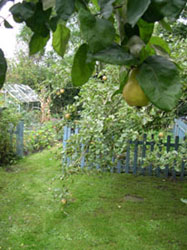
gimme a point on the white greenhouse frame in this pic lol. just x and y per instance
(22, 94)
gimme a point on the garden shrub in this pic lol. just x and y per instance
(40, 138)
(8, 121)
(107, 123)
(160, 157)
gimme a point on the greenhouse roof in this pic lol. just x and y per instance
(21, 93)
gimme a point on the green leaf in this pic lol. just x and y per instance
(172, 8)
(115, 54)
(48, 4)
(65, 8)
(159, 9)
(99, 33)
(160, 42)
(39, 22)
(165, 25)
(60, 39)
(81, 69)
(146, 30)
(53, 23)
(106, 7)
(135, 9)
(95, 2)
(7, 24)
(22, 11)
(37, 43)
(159, 51)
(34, 16)
(159, 79)
(80, 4)
(146, 52)
(123, 77)
(3, 68)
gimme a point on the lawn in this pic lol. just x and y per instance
(103, 210)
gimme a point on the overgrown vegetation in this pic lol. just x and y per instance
(107, 123)
(48, 79)
(8, 120)
(88, 210)
(39, 138)
(124, 37)
(177, 41)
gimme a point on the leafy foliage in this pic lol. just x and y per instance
(159, 158)
(81, 70)
(115, 54)
(65, 8)
(106, 35)
(158, 78)
(47, 78)
(39, 139)
(3, 68)
(157, 10)
(135, 10)
(107, 123)
(96, 31)
(37, 43)
(8, 121)
(177, 42)
(60, 39)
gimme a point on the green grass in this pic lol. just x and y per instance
(104, 211)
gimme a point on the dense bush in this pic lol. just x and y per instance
(107, 122)
(8, 121)
(40, 137)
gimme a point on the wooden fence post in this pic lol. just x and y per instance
(142, 169)
(83, 156)
(176, 146)
(64, 143)
(127, 161)
(68, 136)
(19, 139)
(136, 143)
(152, 143)
(11, 136)
(119, 166)
(182, 171)
(168, 145)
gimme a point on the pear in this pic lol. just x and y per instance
(132, 92)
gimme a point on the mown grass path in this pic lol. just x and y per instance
(103, 211)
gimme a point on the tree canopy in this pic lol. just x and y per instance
(118, 32)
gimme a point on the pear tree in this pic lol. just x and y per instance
(118, 32)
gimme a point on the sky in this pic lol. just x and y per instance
(8, 36)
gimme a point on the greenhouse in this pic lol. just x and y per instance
(20, 95)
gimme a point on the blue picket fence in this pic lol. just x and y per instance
(180, 128)
(16, 138)
(130, 162)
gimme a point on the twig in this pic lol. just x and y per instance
(4, 19)
(82, 154)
